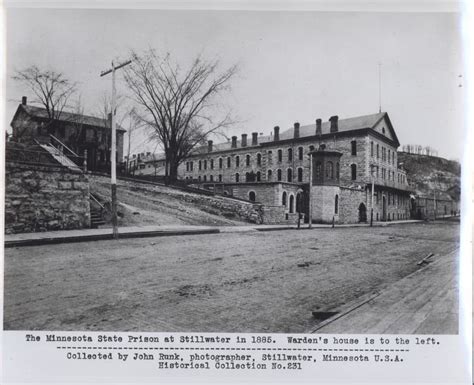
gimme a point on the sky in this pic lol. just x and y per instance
(293, 66)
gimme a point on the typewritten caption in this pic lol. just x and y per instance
(232, 352)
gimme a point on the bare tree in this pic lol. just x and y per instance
(180, 106)
(52, 90)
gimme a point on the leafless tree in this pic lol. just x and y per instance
(52, 90)
(180, 106)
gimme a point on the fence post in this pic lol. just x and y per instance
(85, 161)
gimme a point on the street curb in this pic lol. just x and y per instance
(101, 237)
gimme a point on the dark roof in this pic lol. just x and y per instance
(41, 113)
(344, 125)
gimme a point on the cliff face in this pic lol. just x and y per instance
(429, 173)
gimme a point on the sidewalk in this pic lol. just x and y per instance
(84, 235)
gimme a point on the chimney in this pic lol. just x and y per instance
(297, 130)
(209, 146)
(234, 142)
(333, 120)
(23, 100)
(254, 138)
(243, 143)
(276, 135)
(318, 127)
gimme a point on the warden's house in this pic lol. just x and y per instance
(346, 158)
(73, 135)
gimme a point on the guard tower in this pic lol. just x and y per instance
(325, 188)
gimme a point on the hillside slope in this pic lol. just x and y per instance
(429, 173)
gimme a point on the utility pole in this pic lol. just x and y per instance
(380, 87)
(113, 150)
(372, 194)
(310, 214)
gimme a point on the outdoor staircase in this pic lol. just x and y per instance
(58, 153)
(96, 219)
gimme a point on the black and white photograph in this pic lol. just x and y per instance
(233, 171)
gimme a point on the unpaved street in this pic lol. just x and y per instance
(245, 282)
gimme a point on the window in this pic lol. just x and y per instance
(191, 166)
(289, 175)
(383, 130)
(220, 177)
(353, 147)
(247, 160)
(336, 204)
(300, 174)
(237, 177)
(270, 156)
(220, 163)
(205, 165)
(353, 172)
(393, 157)
(204, 178)
(318, 170)
(228, 162)
(300, 153)
(187, 166)
(211, 178)
(377, 173)
(311, 148)
(280, 155)
(259, 176)
(290, 154)
(377, 151)
(259, 159)
(372, 149)
(279, 175)
(337, 170)
(199, 178)
(269, 175)
(200, 166)
(329, 170)
(212, 164)
(292, 203)
(252, 196)
(237, 161)
(283, 198)
(389, 158)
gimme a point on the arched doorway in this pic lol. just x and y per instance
(362, 213)
(252, 196)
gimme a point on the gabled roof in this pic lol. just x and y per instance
(41, 113)
(344, 125)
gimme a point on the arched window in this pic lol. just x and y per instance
(247, 177)
(211, 178)
(371, 148)
(212, 164)
(318, 169)
(290, 154)
(311, 148)
(289, 175)
(220, 163)
(336, 204)
(252, 196)
(283, 198)
(329, 170)
(292, 204)
(199, 178)
(378, 151)
(353, 172)
(204, 178)
(280, 155)
(337, 170)
(270, 156)
(237, 177)
(300, 153)
(220, 177)
(300, 174)
(228, 162)
(237, 161)
(269, 175)
(247, 160)
(353, 147)
(191, 166)
(259, 176)
(200, 165)
(279, 175)
(259, 159)
(205, 165)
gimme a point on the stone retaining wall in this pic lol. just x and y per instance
(44, 198)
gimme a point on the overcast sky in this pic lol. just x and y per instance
(294, 66)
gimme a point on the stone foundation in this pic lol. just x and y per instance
(44, 198)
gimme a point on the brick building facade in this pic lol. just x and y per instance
(275, 169)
